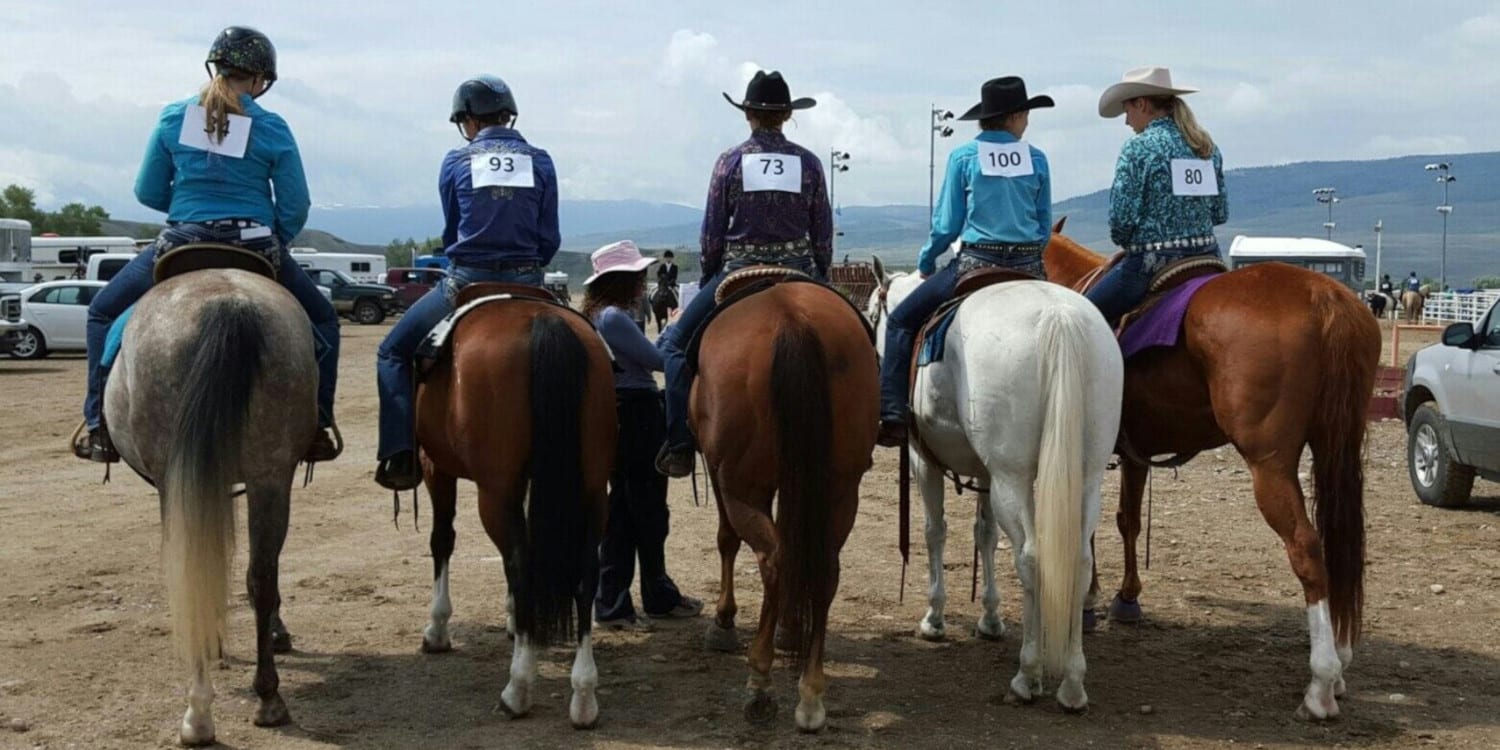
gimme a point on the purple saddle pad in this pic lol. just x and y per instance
(1161, 325)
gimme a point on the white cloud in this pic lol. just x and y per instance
(689, 53)
(1246, 99)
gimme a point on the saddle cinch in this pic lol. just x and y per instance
(746, 282)
(439, 342)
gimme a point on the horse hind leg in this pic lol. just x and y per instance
(929, 481)
(720, 635)
(443, 490)
(1279, 496)
(986, 535)
(1126, 607)
(269, 510)
(583, 710)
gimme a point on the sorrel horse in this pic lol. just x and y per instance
(524, 407)
(215, 384)
(785, 405)
(1272, 358)
(1412, 303)
(1027, 400)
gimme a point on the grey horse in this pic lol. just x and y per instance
(216, 385)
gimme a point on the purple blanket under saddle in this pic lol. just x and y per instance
(1161, 324)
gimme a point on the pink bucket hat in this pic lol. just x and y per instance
(617, 256)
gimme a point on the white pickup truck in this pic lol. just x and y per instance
(12, 326)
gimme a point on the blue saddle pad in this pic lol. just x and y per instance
(932, 346)
(113, 338)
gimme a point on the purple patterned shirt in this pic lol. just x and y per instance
(766, 216)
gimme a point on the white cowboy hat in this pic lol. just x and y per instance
(617, 256)
(1149, 81)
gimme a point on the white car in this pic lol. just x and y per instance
(1451, 404)
(56, 313)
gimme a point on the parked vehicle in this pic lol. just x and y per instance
(365, 269)
(104, 266)
(56, 313)
(557, 283)
(366, 304)
(12, 325)
(1450, 401)
(67, 257)
(15, 250)
(411, 283)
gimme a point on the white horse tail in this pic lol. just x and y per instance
(1062, 365)
(220, 366)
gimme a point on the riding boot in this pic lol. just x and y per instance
(399, 472)
(96, 446)
(675, 463)
(323, 448)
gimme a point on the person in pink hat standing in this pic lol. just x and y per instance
(638, 517)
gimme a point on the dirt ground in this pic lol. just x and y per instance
(1221, 660)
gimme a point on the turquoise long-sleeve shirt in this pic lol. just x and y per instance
(193, 185)
(1142, 206)
(979, 207)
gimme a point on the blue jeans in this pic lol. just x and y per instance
(901, 336)
(135, 279)
(674, 342)
(1125, 286)
(393, 361)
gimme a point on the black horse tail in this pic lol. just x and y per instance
(807, 557)
(559, 554)
(1352, 351)
(203, 458)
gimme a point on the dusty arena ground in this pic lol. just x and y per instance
(1221, 659)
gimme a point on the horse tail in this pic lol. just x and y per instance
(558, 552)
(1351, 346)
(800, 398)
(202, 459)
(1063, 361)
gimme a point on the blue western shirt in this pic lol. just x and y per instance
(193, 185)
(1142, 207)
(976, 207)
(499, 224)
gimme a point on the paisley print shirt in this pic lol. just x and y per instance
(1142, 207)
(764, 217)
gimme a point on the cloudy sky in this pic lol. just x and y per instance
(626, 95)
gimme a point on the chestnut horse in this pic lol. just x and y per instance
(785, 405)
(1272, 358)
(525, 408)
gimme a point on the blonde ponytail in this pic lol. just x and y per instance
(220, 100)
(1197, 138)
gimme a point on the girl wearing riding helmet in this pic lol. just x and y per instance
(638, 516)
(499, 196)
(767, 205)
(225, 170)
(1168, 193)
(996, 199)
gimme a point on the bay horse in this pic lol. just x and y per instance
(525, 408)
(1026, 399)
(663, 302)
(785, 405)
(1272, 358)
(216, 383)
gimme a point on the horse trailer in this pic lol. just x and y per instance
(1340, 262)
(366, 269)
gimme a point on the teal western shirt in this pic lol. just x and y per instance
(193, 185)
(1142, 207)
(980, 208)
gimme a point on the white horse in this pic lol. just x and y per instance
(1026, 399)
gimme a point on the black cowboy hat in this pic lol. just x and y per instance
(768, 91)
(1002, 96)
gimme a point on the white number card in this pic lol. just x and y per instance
(193, 135)
(780, 172)
(1194, 177)
(1005, 159)
(501, 169)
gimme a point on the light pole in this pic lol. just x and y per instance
(1442, 168)
(939, 130)
(1329, 196)
(1378, 227)
(838, 161)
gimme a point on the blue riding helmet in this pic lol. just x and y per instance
(482, 96)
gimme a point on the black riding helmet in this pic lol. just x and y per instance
(243, 48)
(482, 96)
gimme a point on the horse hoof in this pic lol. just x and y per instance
(1124, 611)
(272, 713)
(189, 740)
(430, 647)
(995, 634)
(1074, 710)
(1090, 620)
(722, 640)
(930, 633)
(281, 642)
(761, 708)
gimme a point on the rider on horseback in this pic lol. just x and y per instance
(499, 198)
(997, 198)
(1168, 193)
(767, 205)
(212, 165)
